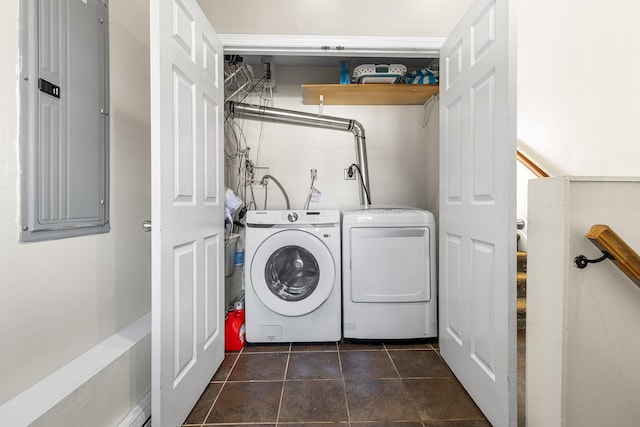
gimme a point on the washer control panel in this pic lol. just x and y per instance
(291, 217)
(320, 217)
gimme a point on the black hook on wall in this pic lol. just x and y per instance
(581, 261)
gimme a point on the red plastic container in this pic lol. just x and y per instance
(234, 338)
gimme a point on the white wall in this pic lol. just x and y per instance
(578, 86)
(60, 298)
(402, 154)
(426, 18)
(582, 325)
(578, 91)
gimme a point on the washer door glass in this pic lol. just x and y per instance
(292, 273)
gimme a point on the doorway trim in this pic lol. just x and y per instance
(310, 45)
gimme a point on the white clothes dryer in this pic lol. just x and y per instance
(389, 273)
(292, 276)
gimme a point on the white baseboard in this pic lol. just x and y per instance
(38, 399)
(140, 414)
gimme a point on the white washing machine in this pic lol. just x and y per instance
(292, 276)
(389, 273)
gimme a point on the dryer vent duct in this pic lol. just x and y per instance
(307, 119)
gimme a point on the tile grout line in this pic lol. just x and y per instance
(284, 379)
(402, 381)
(344, 384)
(226, 379)
(392, 362)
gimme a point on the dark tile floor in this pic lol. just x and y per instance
(329, 385)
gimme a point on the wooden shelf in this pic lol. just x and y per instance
(368, 94)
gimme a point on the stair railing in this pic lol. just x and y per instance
(531, 165)
(614, 248)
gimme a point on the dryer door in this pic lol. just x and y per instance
(390, 264)
(292, 272)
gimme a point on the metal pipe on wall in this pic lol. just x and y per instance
(314, 120)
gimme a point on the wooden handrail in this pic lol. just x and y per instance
(624, 257)
(531, 165)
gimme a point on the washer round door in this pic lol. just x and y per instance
(292, 272)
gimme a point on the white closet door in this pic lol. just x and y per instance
(187, 207)
(477, 324)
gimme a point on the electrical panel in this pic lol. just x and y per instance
(64, 118)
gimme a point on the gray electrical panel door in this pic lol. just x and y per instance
(64, 118)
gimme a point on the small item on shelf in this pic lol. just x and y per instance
(345, 71)
(423, 76)
(379, 73)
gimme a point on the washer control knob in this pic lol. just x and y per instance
(292, 217)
